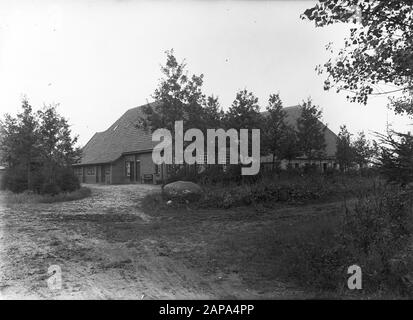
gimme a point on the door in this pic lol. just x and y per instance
(132, 171)
(103, 174)
(138, 171)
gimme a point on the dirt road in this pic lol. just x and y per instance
(107, 248)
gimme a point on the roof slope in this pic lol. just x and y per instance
(123, 136)
(292, 115)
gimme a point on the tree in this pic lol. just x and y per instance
(213, 114)
(289, 145)
(345, 152)
(310, 133)
(180, 97)
(277, 135)
(379, 49)
(244, 112)
(57, 146)
(363, 149)
(396, 157)
(39, 150)
(19, 146)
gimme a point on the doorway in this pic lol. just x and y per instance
(103, 174)
(138, 171)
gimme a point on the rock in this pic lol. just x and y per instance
(184, 191)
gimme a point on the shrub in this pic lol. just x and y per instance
(38, 181)
(30, 197)
(287, 187)
(78, 194)
(374, 235)
(50, 188)
(154, 202)
(67, 180)
(317, 258)
(14, 180)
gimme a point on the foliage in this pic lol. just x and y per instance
(20, 146)
(396, 158)
(39, 150)
(373, 234)
(244, 112)
(30, 197)
(181, 98)
(378, 50)
(364, 150)
(279, 138)
(345, 152)
(285, 187)
(310, 132)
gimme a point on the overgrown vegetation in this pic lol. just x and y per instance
(38, 150)
(285, 187)
(373, 234)
(31, 197)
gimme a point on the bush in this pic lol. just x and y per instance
(67, 180)
(374, 235)
(50, 188)
(30, 197)
(153, 202)
(288, 187)
(78, 194)
(14, 180)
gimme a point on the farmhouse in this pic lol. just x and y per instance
(328, 160)
(123, 153)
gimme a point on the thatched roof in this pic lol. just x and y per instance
(124, 136)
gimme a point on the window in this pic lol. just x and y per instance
(90, 171)
(107, 170)
(127, 166)
(157, 169)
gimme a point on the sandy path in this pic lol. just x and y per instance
(107, 248)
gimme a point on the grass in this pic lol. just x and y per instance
(269, 190)
(306, 240)
(30, 197)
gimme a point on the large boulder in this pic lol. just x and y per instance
(182, 191)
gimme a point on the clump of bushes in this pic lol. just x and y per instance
(298, 189)
(31, 197)
(287, 189)
(373, 235)
(64, 180)
(39, 150)
(14, 180)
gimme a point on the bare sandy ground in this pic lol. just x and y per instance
(107, 248)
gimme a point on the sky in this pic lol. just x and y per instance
(98, 59)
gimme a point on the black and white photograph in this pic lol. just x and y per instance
(178, 150)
